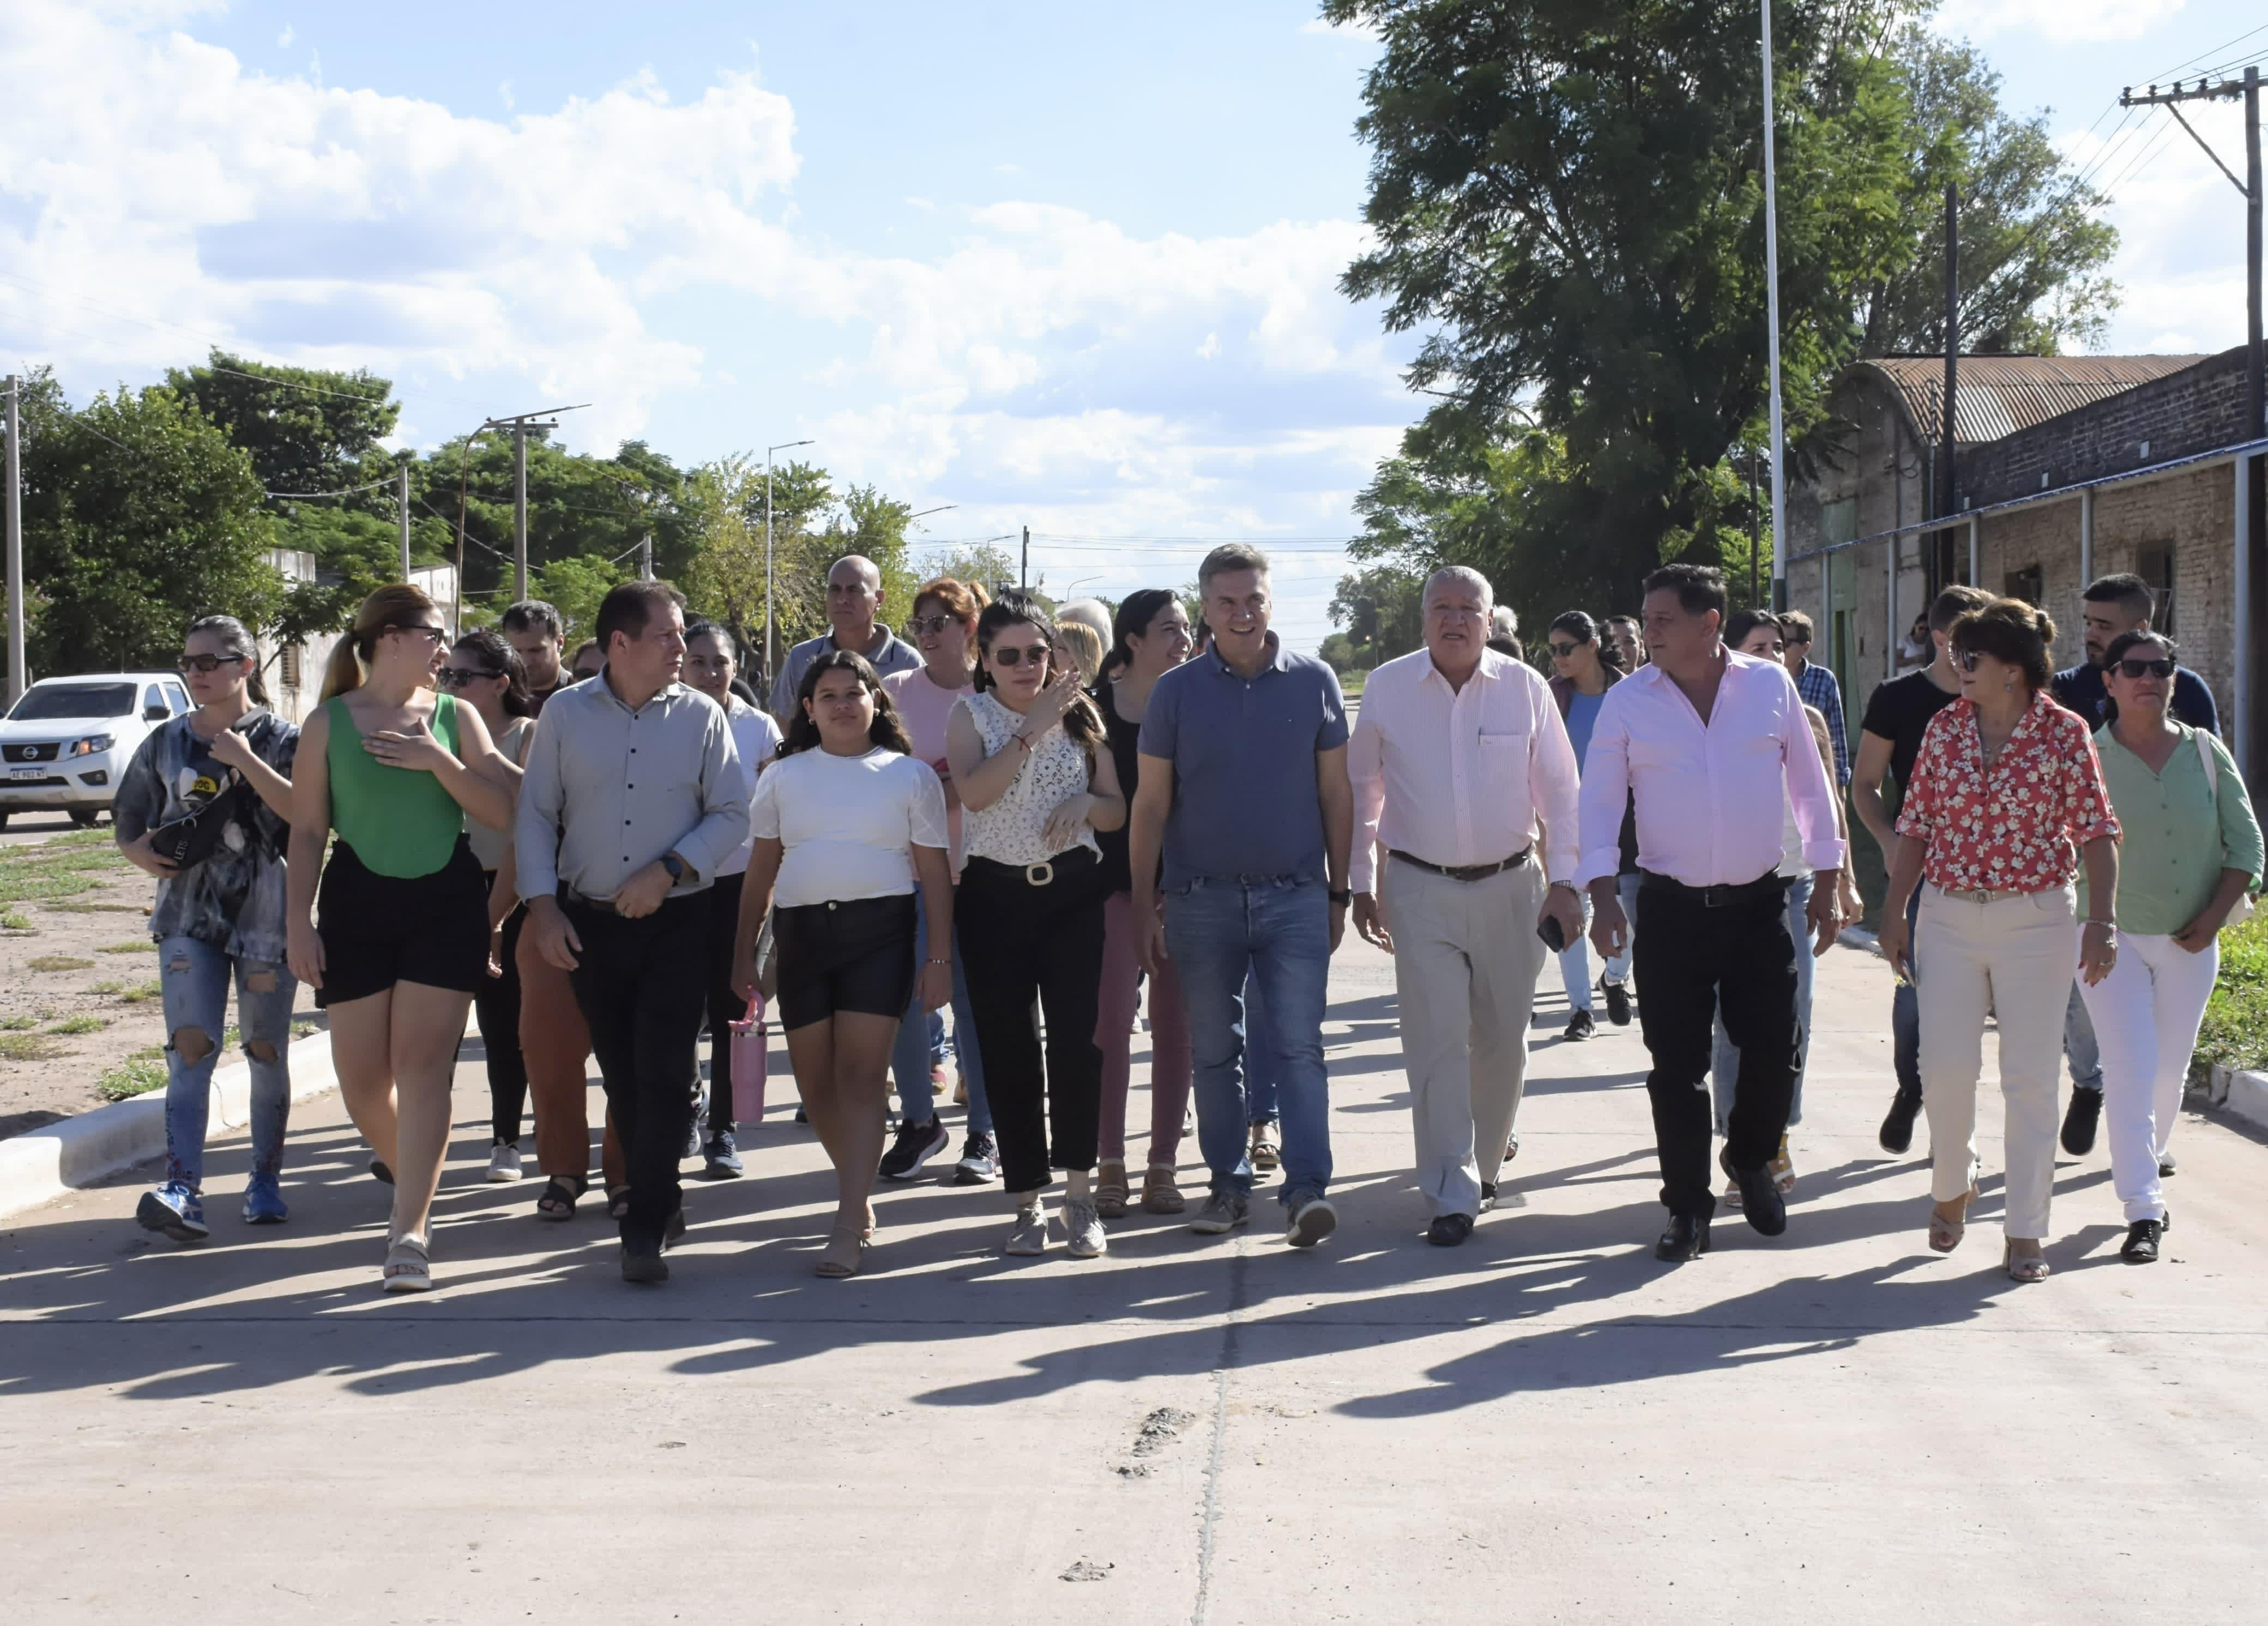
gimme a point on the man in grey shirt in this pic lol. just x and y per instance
(854, 605)
(631, 798)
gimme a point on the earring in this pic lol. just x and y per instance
(2008, 686)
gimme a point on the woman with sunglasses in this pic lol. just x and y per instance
(1584, 667)
(848, 828)
(395, 768)
(2189, 852)
(220, 912)
(2005, 804)
(944, 630)
(486, 673)
(586, 661)
(1029, 754)
(1150, 639)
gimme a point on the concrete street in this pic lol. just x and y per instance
(1542, 1425)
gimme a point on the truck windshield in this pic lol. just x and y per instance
(46, 700)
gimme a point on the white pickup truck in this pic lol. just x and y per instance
(64, 744)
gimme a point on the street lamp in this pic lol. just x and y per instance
(771, 662)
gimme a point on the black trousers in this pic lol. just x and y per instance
(1691, 961)
(1020, 942)
(498, 1005)
(640, 985)
(725, 1007)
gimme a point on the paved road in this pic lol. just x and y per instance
(1542, 1425)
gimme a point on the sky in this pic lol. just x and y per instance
(1072, 268)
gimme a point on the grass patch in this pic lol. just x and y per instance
(81, 1025)
(28, 1048)
(15, 920)
(72, 906)
(132, 993)
(2235, 1032)
(17, 1024)
(300, 1030)
(59, 962)
(138, 1075)
(20, 885)
(141, 945)
(104, 837)
(147, 1053)
(142, 992)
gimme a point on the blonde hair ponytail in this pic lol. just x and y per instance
(397, 606)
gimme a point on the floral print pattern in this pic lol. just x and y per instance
(2018, 825)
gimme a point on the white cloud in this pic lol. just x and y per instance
(283, 40)
(2061, 22)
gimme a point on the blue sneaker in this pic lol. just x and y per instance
(175, 1209)
(264, 1202)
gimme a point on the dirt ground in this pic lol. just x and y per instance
(80, 1020)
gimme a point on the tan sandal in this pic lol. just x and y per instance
(408, 1265)
(1267, 1152)
(1946, 1230)
(1161, 1192)
(844, 1253)
(2030, 1268)
(1111, 1192)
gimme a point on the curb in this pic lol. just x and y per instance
(44, 1164)
(2240, 1094)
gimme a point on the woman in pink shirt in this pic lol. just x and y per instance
(944, 629)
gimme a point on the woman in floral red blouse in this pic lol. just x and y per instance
(2005, 802)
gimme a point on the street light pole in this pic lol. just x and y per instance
(401, 504)
(1771, 300)
(772, 658)
(15, 504)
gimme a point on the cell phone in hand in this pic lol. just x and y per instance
(1554, 935)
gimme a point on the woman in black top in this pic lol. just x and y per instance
(1150, 637)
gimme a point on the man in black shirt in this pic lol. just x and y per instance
(1897, 714)
(2112, 606)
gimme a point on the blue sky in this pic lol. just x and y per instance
(1063, 266)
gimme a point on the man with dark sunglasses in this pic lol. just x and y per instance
(2112, 606)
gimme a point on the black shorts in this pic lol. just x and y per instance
(856, 956)
(381, 929)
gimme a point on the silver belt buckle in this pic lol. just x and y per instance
(1039, 875)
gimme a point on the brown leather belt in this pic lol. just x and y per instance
(1465, 871)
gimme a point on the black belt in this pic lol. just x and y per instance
(1041, 874)
(1465, 871)
(1722, 895)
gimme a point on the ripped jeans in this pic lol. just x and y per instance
(194, 977)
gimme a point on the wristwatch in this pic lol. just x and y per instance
(676, 865)
(1342, 898)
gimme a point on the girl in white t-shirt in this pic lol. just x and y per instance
(846, 826)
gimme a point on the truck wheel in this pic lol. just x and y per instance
(83, 820)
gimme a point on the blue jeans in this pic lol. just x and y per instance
(1575, 958)
(910, 1057)
(194, 985)
(2080, 1053)
(1905, 1013)
(1725, 1065)
(1263, 1073)
(1278, 934)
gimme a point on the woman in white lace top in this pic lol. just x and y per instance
(1036, 784)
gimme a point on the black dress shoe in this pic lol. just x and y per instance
(642, 1262)
(1898, 1129)
(2078, 1121)
(1449, 1230)
(1760, 1197)
(1686, 1239)
(1488, 1196)
(2142, 1240)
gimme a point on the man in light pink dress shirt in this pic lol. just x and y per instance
(1464, 776)
(1707, 741)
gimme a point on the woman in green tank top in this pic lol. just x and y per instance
(402, 944)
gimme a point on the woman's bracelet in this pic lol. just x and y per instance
(1024, 740)
(2112, 924)
(936, 962)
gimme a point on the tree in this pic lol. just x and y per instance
(138, 515)
(1383, 612)
(304, 430)
(986, 564)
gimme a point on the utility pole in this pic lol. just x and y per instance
(1949, 487)
(519, 424)
(1024, 571)
(402, 503)
(1771, 301)
(1755, 546)
(2252, 613)
(645, 558)
(771, 658)
(16, 669)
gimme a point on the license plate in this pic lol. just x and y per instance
(28, 773)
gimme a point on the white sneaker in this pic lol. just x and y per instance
(1085, 1226)
(503, 1164)
(1029, 1234)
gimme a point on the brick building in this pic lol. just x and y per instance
(2028, 429)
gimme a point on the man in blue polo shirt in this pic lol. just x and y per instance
(1244, 792)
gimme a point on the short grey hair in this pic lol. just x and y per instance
(1228, 558)
(1505, 624)
(1465, 576)
(1091, 613)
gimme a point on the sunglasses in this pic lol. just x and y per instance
(435, 634)
(1966, 659)
(1009, 655)
(2134, 668)
(457, 677)
(205, 666)
(1564, 652)
(921, 624)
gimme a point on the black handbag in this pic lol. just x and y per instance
(191, 840)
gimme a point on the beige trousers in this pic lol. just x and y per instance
(2015, 953)
(1466, 958)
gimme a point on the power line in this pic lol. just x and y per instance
(344, 491)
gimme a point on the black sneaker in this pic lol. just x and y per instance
(1449, 1230)
(643, 1262)
(1619, 1004)
(980, 1161)
(1897, 1135)
(1580, 1026)
(2080, 1120)
(916, 1145)
(721, 1157)
(1760, 1202)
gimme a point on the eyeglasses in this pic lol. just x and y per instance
(204, 665)
(2135, 667)
(1009, 655)
(1799, 643)
(1564, 652)
(436, 634)
(457, 677)
(921, 624)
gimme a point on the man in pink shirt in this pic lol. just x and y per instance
(1463, 774)
(1707, 740)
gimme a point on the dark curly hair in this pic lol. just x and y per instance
(2010, 630)
(886, 731)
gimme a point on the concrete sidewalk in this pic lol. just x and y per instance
(1542, 1425)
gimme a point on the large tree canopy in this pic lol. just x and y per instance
(304, 430)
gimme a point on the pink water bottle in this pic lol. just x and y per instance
(750, 1043)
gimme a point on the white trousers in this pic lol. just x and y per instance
(1465, 960)
(2145, 1014)
(2015, 955)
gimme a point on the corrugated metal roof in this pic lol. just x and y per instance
(1999, 394)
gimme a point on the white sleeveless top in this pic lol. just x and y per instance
(1010, 831)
